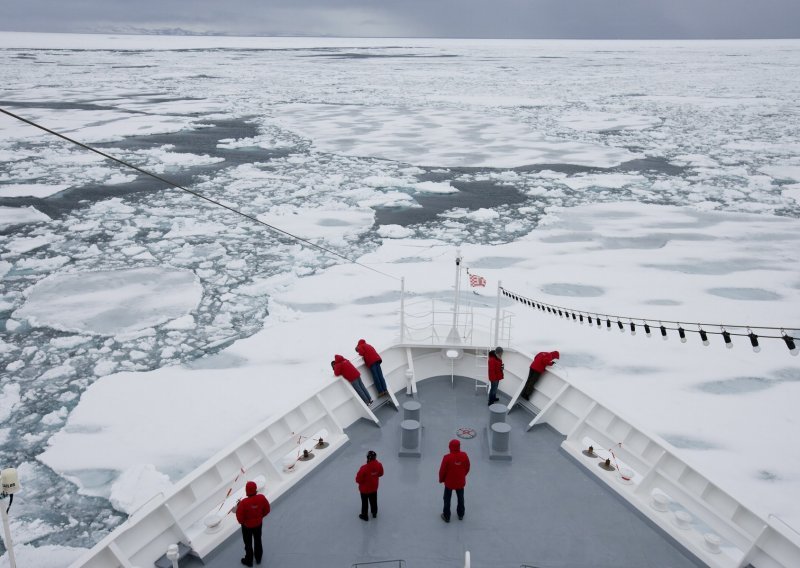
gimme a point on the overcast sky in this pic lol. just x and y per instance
(417, 18)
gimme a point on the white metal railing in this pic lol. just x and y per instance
(433, 322)
(191, 512)
(712, 524)
(645, 471)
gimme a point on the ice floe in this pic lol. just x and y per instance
(10, 216)
(111, 302)
(431, 137)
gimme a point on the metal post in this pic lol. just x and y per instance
(7, 533)
(402, 309)
(497, 314)
(457, 289)
(173, 554)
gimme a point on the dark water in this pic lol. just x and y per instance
(199, 141)
(471, 195)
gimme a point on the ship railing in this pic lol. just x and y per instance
(198, 511)
(660, 482)
(382, 564)
(433, 322)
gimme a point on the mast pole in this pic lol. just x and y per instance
(402, 309)
(457, 290)
(497, 314)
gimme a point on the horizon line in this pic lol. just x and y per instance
(156, 33)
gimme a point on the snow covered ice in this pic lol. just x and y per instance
(656, 194)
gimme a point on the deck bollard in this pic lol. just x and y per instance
(499, 435)
(497, 413)
(409, 439)
(411, 410)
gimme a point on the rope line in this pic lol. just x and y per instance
(704, 329)
(196, 194)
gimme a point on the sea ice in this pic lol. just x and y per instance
(111, 302)
(605, 121)
(431, 137)
(10, 216)
(136, 485)
(30, 190)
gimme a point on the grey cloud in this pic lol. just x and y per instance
(418, 18)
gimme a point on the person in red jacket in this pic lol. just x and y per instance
(367, 479)
(453, 473)
(542, 360)
(373, 362)
(344, 368)
(495, 373)
(250, 513)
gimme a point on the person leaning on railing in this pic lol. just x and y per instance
(373, 362)
(540, 363)
(342, 367)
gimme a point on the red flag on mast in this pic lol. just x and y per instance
(476, 281)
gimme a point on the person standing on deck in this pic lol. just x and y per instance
(344, 368)
(542, 360)
(495, 373)
(367, 479)
(373, 362)
(453, 473)
(250, 513)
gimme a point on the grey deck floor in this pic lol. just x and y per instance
(540, 509)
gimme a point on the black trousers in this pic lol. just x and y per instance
(252, 544)
(372, 499)
(527, 391)
(448, 494)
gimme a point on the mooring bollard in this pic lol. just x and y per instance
(412, 410)
(497, 413)
(409, 438)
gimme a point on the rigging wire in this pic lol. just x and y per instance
(615, 318)
(196, 194)
(703, 328)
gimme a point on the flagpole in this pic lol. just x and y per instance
(402, 309)
(497, 314)
(454, 336)
(457, 289)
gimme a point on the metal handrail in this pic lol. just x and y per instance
(398, 563)
(784, 523)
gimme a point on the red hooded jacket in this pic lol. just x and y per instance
(368, 352)
(252, 509)
(367, 476)
(344, 368)
(455, 467)
(495, 367)
(543, 359)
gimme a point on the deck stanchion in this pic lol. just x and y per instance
(402, 309)
(497, 314)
